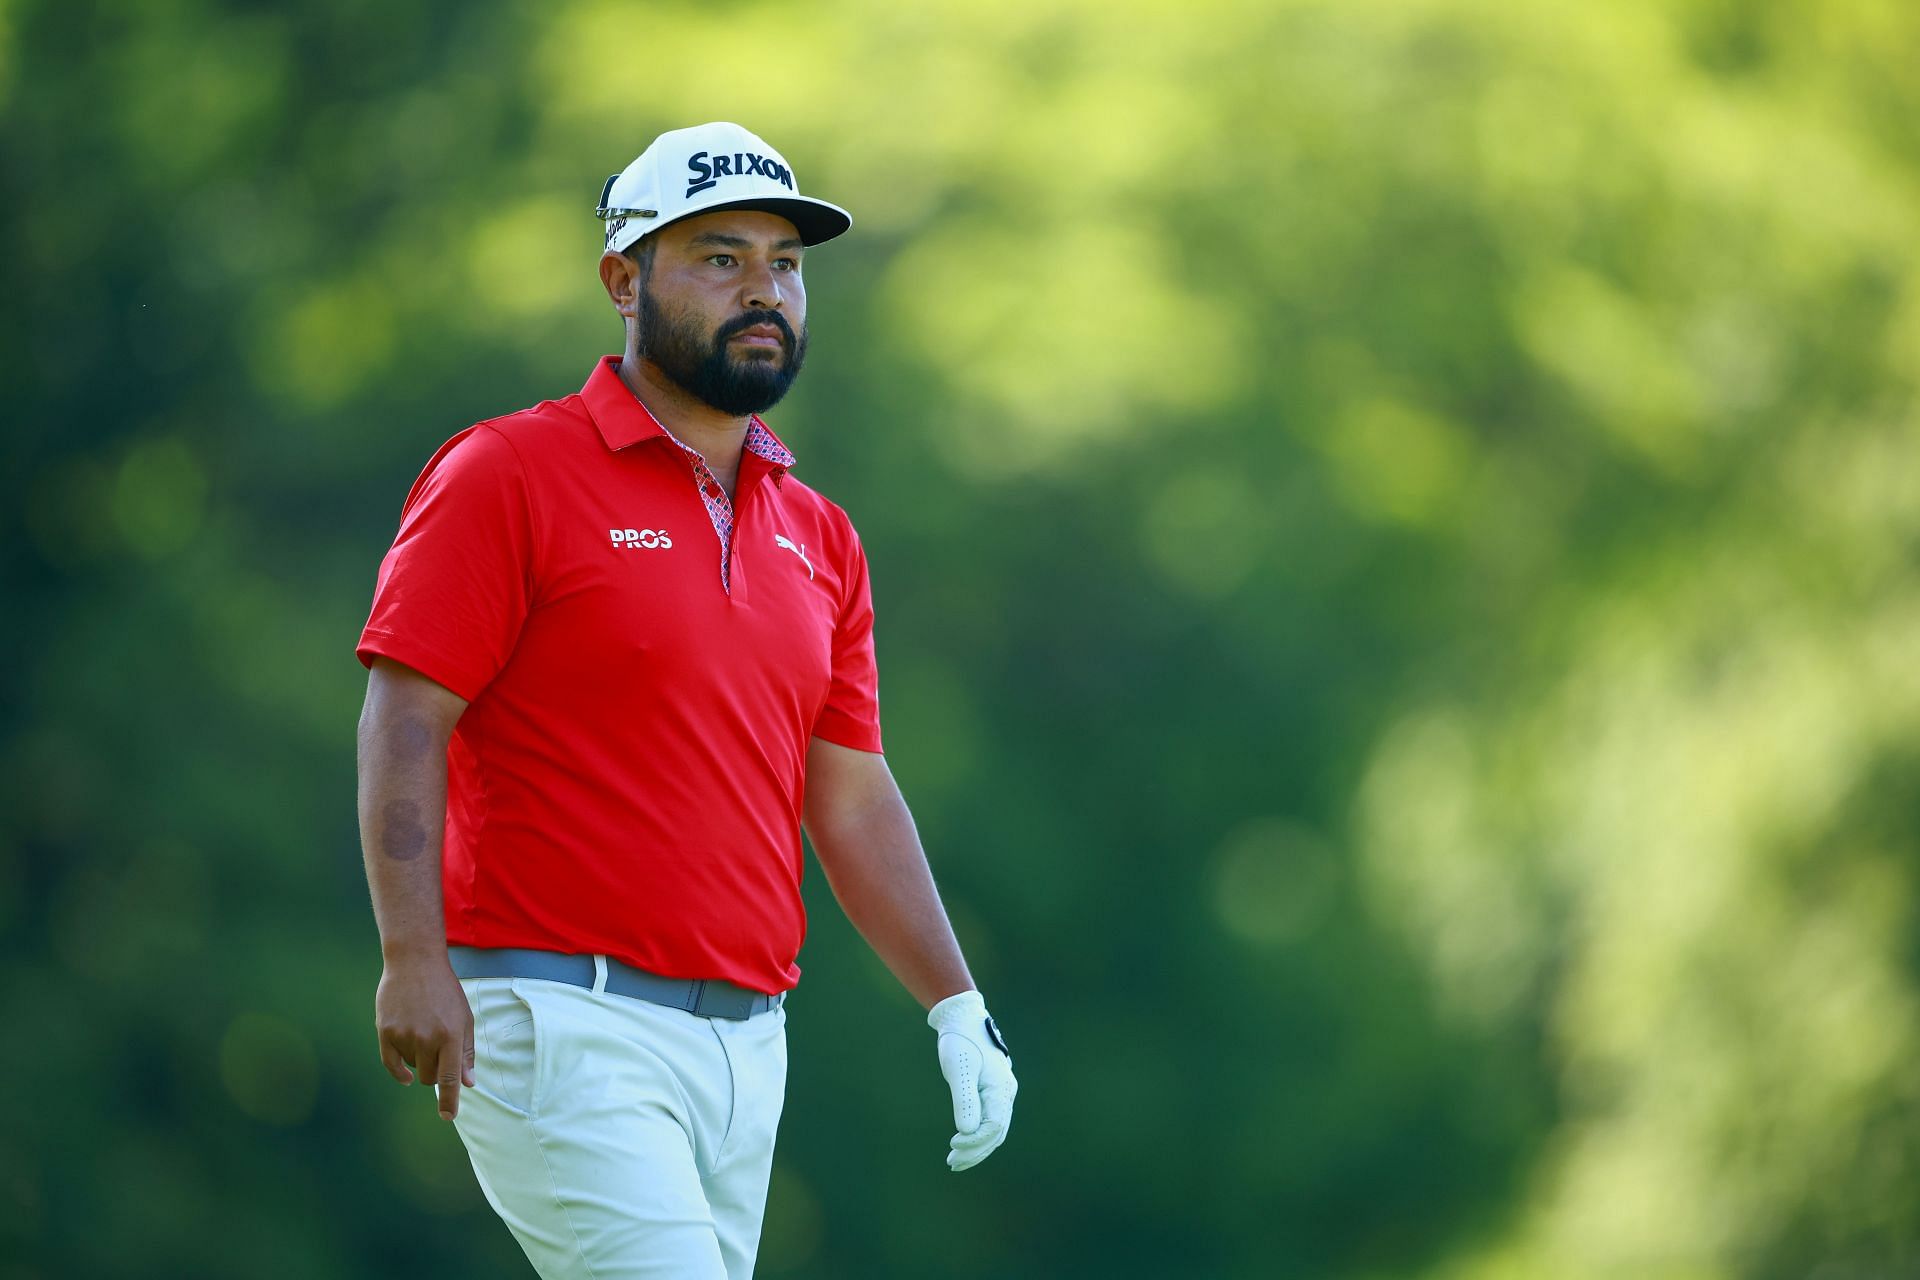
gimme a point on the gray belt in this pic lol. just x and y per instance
(708, 997)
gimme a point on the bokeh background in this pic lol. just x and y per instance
(1396, 534)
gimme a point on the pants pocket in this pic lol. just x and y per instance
(507, 1042)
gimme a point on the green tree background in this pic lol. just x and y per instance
(1396, 534)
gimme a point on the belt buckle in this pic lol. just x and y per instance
(722, 1000)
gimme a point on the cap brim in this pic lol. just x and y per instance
(815, 220)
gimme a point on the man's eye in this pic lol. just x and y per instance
(721, 259)
(787, 264)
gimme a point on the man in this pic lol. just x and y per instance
(618, 655)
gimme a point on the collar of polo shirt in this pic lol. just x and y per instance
(624, 421)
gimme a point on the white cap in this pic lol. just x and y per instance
(708, 167)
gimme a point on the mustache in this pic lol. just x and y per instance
(741, 323)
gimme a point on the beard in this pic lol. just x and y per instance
(707, 370)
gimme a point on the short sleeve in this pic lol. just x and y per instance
(851, 715)
(455, 587)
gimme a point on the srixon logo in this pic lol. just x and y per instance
(705, 171)
(640, 538)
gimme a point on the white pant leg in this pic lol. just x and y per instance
(599, 1126)
(736, 1186)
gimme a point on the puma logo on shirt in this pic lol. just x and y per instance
(781, 539)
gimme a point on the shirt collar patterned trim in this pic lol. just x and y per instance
(761, 440)
(624, 421)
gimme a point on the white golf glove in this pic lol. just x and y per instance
(979, 1070)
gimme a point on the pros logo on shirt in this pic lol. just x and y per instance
(640, 537)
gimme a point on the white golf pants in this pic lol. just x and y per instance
(621, 1139)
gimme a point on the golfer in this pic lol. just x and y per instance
(619, 654)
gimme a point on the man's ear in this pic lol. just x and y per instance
(621, 277)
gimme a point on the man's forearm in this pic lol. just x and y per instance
(420, 1011)
(880, 876)
(403, 805)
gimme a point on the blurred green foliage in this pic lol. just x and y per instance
(1396, 534)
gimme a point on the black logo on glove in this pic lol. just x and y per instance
(993, 1034)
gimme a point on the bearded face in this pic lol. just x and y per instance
(722, 367)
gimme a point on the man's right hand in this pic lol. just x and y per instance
(423, 1019)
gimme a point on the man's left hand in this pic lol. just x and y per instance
(979, 1070)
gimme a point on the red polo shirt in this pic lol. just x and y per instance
(629, 776)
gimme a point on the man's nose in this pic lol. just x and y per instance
(761, 288)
